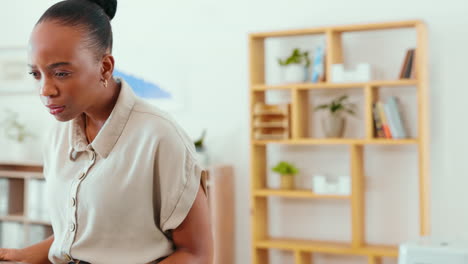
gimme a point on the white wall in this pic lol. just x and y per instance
(210, 38)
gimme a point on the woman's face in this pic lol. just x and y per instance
(67, 73)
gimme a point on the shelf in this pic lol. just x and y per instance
(21, 174)
(338, 141)
(12, 218)
(289, 33)
(392, 141)
(328, 85)
(327, 247)
(20, 163)
(346, 28)
(297, 194)
(309, 142)
(378, 26)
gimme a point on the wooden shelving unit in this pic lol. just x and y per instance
(19, 175)
(303, 250)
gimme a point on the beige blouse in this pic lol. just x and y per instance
(117, 199)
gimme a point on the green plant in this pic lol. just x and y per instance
(296, 57)
(338, 105)
(285, 168)
(199, 142)
(13, 129)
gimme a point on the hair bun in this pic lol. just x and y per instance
(109, 6)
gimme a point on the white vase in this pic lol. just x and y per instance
(294, 73)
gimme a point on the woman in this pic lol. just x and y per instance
(123, 185)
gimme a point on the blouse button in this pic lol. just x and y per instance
(73, 201)
(82, 175)
(68, 257)
(72, 227)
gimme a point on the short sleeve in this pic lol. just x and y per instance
(178, 175)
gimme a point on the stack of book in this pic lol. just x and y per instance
(271, 122)
(388, 121)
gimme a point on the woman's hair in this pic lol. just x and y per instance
(93, 16)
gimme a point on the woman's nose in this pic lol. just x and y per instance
(47, 88)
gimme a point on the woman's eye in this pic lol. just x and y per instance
(62, 74)
(35, 75)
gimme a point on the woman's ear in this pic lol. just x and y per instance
(107, 66)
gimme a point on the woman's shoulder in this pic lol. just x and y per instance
(161, 121)
(152, 114)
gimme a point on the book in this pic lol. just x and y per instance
(36, 201)
(318, 64)
(413, 74)
(33, 200)
(378, 132)
(4, 197)
(407, 69)
(395, 112)
(384, 120)
(391, 120)
(405, 65)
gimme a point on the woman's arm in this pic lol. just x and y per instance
(35, 254)
(193, 238)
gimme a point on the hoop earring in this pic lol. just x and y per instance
(105, 83)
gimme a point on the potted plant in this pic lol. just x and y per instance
(295, 66)
(334, 123)
(287, 172)
(200, 148)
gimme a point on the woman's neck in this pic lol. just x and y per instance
(97, 115)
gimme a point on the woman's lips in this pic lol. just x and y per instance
(54, 110)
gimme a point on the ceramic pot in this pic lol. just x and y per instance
(294, 73)
(287, 182)
(333, 125)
